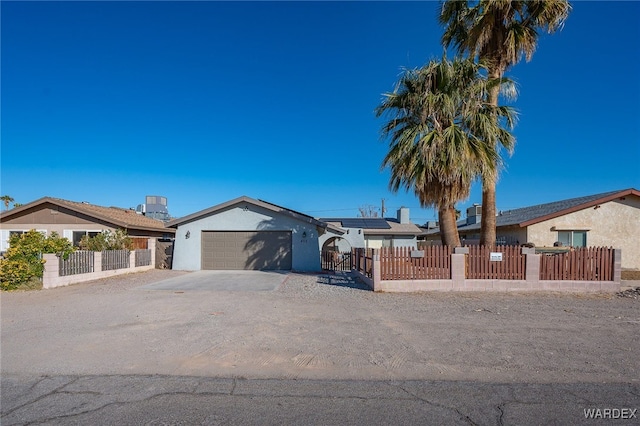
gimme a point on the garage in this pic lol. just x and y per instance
(248, 234)
(254, 250)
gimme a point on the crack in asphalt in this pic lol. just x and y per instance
(41, 397)
(501, 415)
(60, 390)
(435, 404)
(143, 389)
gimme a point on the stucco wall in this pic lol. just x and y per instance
(353, 238)
(6, 228)
(187, 251)
(613, 224)
(375, 241)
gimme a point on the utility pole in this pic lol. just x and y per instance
(382, 210)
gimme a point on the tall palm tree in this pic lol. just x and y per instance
(499, 33)
(443, 135)
(6, 199)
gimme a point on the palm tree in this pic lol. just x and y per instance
(443, 135)
(6, 199)
(499, 33)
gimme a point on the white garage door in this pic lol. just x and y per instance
(267, 250)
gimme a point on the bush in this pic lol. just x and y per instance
(23, 263)
(107, 240)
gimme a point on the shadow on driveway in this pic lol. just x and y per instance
(342, 279)
(222, 281)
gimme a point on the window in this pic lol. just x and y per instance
(573, 238)
(77, 236)
(6, 234)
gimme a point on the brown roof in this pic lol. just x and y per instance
(123, 218)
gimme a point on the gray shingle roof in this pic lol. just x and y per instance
(527, 215)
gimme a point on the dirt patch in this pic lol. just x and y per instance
(630, 275)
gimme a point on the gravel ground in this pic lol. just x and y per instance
(320, 327)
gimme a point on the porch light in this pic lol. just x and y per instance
(304, 234)
(187, 235)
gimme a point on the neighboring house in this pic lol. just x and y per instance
(610, 219)
(73, 220)
(372, 232)
(246, 233)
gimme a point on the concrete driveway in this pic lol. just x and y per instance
(222, 281)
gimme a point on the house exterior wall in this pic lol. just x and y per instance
(378, 241)
(353, 238)
(49, 219)
(63, 222)
(614, 224)
(246, 217)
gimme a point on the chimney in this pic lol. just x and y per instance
(403, 215)
(474, 213)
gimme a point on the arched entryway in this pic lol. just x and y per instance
(336, 255)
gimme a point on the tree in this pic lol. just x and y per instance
(6, 199)
(443, 135)
(368, 211)
(23, 260)
(499, 33)
(107, 240)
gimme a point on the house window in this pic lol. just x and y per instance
(77, 236)
(6, 234)
(573, 238)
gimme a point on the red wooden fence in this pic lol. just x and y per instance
(480, 266)
(404, 263)
(580, 264)
(362, 260)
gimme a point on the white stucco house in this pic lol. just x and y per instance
(246, 233)
(372, 232)
(610, 219)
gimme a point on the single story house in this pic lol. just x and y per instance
(73, 220)
(610, 219)
(246, 233)
(372, 232)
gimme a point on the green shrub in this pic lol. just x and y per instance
(107, 240)
(22, 263)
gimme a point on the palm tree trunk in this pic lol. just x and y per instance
(488, 218)
(448, 229)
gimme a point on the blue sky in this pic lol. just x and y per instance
(202, 102)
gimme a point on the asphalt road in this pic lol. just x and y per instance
(170, 400)
(168, 347)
